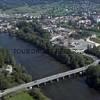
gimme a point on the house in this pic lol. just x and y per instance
(9, 69)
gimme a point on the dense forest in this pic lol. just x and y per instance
(81, 35)
(29, 2)
(18, 75)
(93, 77)
(5, 57)
(15, 3)
(93, 73)
(94, 51)
(40, 37)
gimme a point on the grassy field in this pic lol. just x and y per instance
(35, 94)
(21, 96)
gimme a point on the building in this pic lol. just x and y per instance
(80, 46)
(8, 68)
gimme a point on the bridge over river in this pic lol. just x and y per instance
(47, 79)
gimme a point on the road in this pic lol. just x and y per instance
(96, 44)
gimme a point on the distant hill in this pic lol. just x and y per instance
(12, 3)
(21, 2)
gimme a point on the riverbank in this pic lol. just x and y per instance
(42, 65)
(61, 54)
(11, 73)
(16, 76)
(34, 34)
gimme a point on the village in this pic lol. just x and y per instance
(61, 29)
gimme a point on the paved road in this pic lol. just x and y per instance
(91, 56)
(46, 79)
(96, 44)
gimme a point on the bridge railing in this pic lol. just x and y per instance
(47, 79)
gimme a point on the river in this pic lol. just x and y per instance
(40, 65)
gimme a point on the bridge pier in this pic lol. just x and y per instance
(63, 78)
(69, 76)
(38, 85)
(74, 75)
(45, 83)
(51, 81)
(80, 73)
(57, 79)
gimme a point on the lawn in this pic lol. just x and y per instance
(37, 95)
(21, 96)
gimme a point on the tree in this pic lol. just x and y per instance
(93, 77)
(40, 38)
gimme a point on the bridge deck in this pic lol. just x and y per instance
(46, 79)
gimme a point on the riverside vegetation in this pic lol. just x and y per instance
(18, 75)
(33, 33)
(93, 73)
(93, 77)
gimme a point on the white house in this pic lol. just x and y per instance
(9, 68)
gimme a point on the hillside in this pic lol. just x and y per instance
(33, 2)
(37, 6)
(21, 2)
(24, 1)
